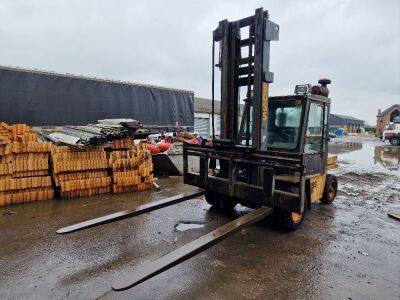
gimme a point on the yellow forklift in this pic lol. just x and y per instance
(272, 156)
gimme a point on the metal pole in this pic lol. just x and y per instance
(212, 89)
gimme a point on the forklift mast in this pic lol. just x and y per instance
(244, 51)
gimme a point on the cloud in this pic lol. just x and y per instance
(355, 43)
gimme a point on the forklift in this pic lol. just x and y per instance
(272, 156)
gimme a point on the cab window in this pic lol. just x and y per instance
(284, 124)
(315, 127)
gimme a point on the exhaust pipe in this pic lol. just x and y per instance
(321, 89)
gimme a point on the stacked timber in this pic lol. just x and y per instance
(132, 170)
(80, 173)
(24, 166)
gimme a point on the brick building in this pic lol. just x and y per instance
(386, 116)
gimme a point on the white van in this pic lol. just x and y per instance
(392, 133)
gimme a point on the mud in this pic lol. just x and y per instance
(347, 250)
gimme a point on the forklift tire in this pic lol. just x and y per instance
(220, 202)
(395, 141)
(287, 220)
(330, 190)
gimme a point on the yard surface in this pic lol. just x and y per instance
(347, 250)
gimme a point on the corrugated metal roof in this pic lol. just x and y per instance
(347, 117)
(52, 73)
(341, 120)
(203, 105)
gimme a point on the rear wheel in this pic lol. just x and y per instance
(330, 190)
(220, 202)
(395, 141)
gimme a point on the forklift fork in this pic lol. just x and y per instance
(189, 250)
(125, 214)
(179, 255)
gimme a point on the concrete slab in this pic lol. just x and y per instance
(322, 260)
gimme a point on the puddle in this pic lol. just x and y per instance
(367, 157)
(183, 226)
(344, 147)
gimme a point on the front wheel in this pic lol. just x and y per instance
(395, 141)
(289, 220)
(220, 202)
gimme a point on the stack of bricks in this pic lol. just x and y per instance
(131, 169)
(24, 166)
(80, 173)
(122, 144)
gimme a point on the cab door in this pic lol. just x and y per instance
(314, 148)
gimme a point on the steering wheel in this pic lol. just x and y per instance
(287, 133)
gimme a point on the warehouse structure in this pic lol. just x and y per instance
(51, 99)
(390, 114)
(349, 124)
(203, 116)
(203, 113)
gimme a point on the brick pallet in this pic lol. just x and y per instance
(80, 173)
(122, 144)
(30, 169)
(131, 169)
(24, 166)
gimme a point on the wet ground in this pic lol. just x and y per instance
(347, 250)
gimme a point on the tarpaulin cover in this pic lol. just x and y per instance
(43, 99)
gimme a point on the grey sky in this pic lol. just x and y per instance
(355, 43)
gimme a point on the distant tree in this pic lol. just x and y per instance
(369, 128)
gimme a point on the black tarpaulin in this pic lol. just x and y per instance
(46, 99)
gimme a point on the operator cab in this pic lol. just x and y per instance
(285, 119)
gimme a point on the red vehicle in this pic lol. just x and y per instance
(392, 134)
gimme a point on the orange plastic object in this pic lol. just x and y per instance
(153, 149)
(163, 146)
